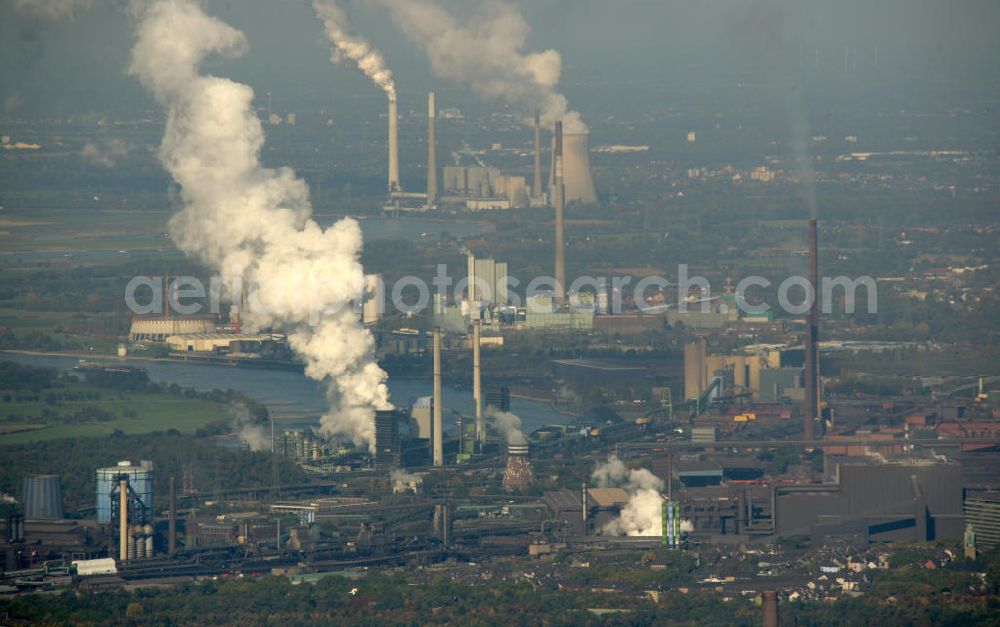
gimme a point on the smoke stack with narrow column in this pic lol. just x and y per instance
(811, 412)
(560, 200)
(393, 145)
(432, 183)
(536, 188)
(437, 438)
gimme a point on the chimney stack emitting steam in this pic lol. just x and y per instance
(437, 438)
(558, 195)
(253, 223)
(432, 183)
(393, 145)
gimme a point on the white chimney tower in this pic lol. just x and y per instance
(393, 146)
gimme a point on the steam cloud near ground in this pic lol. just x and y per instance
(253, 222)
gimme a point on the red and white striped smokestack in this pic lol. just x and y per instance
(812, 412)
(560, 201)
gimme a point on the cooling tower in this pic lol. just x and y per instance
(43, 497)
(432, 182)
(578, 185)
(393, 146)
(518, 473)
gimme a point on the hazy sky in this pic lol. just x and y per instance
(79, 65)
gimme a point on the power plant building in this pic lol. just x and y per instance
(700, 369)
(917, 501)
(159, 328)
(487, 281)
(387, 444)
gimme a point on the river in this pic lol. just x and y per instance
(294, 400)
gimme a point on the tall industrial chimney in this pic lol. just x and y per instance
(812, 336)
(172, 521)
(477, 383)
(393, 146)
(536, 188)
(432, 180)
(769, 603)
(437, 437)
(123, 520)
(560, 201)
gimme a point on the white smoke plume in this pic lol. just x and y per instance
(51, 9)
(348, 46)
(403, 481)
(508, 424)
(252, 222)
(642, 515)
(487, 54)
(250, 430)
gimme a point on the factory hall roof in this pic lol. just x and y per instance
(608, 497)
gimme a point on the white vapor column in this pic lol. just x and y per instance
(487, 54)
(252, 224)
(351, 47)
(348, 46)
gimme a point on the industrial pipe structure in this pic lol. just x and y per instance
(477, 381)
(560, 201)
(436, 436)
(432, 181)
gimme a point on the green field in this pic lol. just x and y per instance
(133, 414)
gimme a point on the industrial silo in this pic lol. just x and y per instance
(43, 497)
(140, 483)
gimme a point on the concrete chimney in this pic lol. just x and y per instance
(812, 337)
(437, 437)
(536, 188)
(432, 180)
(172, 521)
(560, 201)
(769, 605)
(123, 520)
(393, 146)
(477, 382)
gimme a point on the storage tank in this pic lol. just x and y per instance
(43, 497)
(140, 479)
